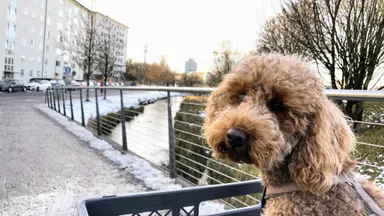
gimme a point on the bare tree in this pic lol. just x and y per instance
(224, 61)
(344, 36)
(160, 73)
(136, 70)
(273, 39)
(80, 41)
(190, 79)
(106, 50)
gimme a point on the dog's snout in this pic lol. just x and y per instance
(236, 138)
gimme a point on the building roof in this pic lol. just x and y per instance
(111, 19)
(86, 8)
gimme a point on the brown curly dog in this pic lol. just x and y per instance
(272, 112)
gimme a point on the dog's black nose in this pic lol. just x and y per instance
(236, 138)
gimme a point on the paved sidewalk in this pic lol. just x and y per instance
(45, 170)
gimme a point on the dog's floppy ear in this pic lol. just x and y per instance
(320, 154)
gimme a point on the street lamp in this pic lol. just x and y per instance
(44, 38)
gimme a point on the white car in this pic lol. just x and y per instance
(38, 85)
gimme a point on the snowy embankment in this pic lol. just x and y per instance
(140, 168)
(111, 103)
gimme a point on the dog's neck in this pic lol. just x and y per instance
(280, 175)
(277, 176)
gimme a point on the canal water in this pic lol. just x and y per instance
(147, 133)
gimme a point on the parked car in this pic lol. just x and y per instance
(12, 85)
(57, 83)
(39, 85)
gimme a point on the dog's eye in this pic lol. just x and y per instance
(276, 105)
(242, 96)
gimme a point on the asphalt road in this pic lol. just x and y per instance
(45, 170)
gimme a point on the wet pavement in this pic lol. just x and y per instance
(44, 169)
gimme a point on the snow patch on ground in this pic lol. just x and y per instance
(110, 104)
(139, 167)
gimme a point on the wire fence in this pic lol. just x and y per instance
(165, 128)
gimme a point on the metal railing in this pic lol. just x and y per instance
(172, 130)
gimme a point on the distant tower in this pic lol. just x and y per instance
(145, 52)
(92, 4)
(190, 65)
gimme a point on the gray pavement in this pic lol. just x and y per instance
(45, 170)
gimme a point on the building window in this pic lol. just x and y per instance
(41, 32)
(34, 15)
(60, 26)
(10, 30)
(48, 21)
(61, 14)
(12, 2)
(38, 73)
(48, 34)
(41, 18)
(32, 44)
(73, 66)
(61, 1)
(11, 15)
(42, 4)
(30, 73)
(33, 30)
(34, 1)
(40, 47)
(8, 64)
(22, 72)
(57, 63)
(49, 7)
(46, 61)
(47, 48)
(25, 28)
(26, 11)
(22, 58)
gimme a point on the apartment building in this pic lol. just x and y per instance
(33, 32)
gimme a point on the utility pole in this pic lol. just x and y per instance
(44, 38)
(145, 59)
(92, 4)
(145, 52)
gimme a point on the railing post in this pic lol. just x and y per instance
(97, 114)
(50, 98)
(65, 112)
(82, 108)
(70, 102)
(122, 114)
(172, 161)
(54, 99)
(58, 99)
(46, 95)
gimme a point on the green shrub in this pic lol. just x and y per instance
(189, 144)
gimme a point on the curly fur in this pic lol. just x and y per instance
(295, 134)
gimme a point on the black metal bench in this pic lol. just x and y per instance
(172, 202)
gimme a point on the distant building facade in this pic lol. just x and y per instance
(22, 43)
(190, 65)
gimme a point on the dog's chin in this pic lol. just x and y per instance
(262, 157)
(237, 155)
